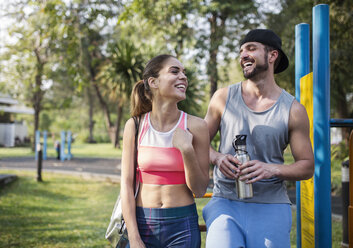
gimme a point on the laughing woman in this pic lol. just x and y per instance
(173, 160)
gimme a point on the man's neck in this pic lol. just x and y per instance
(260, 93)
(262, 85)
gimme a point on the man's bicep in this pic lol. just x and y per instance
(300, 134)
(213, 117)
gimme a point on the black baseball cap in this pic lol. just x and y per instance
(268, 37)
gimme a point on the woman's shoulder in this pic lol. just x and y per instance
(195, 122)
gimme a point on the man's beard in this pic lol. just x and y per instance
(258, 69)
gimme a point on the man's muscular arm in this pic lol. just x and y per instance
(299, 140)
(225, 162)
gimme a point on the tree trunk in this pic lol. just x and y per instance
(106, 113)
(37, 99)
(212, 63)
(118, 124)
(90, 115)
(216, 38)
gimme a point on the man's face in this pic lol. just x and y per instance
(253, 59)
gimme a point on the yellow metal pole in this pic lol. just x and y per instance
(350, 208)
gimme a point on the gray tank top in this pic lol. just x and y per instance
(267, 138)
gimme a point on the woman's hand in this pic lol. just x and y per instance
(182, 139)
(137, 243)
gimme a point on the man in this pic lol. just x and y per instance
(271, 119)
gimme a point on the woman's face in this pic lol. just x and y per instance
(172, 81)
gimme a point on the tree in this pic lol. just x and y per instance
(341, 36)
(88, 32)
(227, 20)
(30, 57)
(123, 68)
(213, 32)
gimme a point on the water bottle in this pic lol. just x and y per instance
(244, 190)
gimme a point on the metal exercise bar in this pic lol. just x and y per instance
(341, 123)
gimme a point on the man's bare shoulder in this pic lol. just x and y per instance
(222, 92)
(298, 115)
(297, 109)
(220, 96)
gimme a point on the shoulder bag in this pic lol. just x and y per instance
(116, 232)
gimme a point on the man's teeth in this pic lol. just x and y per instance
(181, 86)
(248, 64)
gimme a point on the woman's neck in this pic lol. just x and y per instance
(164, 116)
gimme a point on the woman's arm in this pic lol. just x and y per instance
(127, 185)
(194, 147)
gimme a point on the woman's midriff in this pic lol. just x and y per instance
(164, 196)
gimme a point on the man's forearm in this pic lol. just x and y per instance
(213, 156)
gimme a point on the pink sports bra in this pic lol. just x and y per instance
(158, 161)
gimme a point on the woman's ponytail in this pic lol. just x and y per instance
(140, 99)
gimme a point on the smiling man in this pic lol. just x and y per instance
(271, 119)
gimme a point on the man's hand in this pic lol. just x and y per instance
(255, 170)
(228, 165)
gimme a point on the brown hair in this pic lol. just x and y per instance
(141, 95)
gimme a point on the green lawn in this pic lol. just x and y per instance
(69, 212)
(100, 150)
(61, 212)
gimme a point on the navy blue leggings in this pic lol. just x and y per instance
(169, 227)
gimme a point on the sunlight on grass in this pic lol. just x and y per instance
(15, 152)
(79, 150)
(61, 212)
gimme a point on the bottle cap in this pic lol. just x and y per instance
(240, 140)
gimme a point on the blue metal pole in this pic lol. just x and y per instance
(36, 142)
(322, 148)
(62, 146)
(45, 134)
(69, 139)
(302, 68)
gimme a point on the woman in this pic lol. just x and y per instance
(173, 160)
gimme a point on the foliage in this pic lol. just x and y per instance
(212, 28)
(294, 12)
(118, 74)
(195, 94)
(33, 52)
(166, 22)
(339, 154)
(341, 36)
(65, 53)
(340, 151)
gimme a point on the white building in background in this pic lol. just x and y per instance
(336, 135)
(12, 132)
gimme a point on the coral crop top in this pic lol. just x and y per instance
(158, 161)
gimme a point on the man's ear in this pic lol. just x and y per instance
(273, 56)
(152, 82)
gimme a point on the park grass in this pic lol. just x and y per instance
(78, 150)
(61, 212)
(69, 212)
